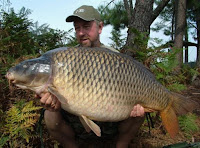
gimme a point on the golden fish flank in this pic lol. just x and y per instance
(97, 84)
(90, 73)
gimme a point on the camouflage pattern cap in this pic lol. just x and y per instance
(87, 13)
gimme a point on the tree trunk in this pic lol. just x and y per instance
(180, 17)
(198, 36)
(173, 21)
(186, 46)
(139, 24)
(140, 19)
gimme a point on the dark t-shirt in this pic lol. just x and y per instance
(108, 129)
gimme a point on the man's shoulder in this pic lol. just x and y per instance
(110, 48)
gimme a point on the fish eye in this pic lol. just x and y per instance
(24, 66)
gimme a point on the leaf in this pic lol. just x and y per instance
(187, 123)
(19, 121)
(4, 140)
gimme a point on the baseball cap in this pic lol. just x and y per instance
(87, 13)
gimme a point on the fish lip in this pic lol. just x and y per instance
(10, 77)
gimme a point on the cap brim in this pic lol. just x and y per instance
(71, 18)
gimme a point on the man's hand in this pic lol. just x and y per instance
(50, 102)
(138, 111)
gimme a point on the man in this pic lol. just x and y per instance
(88, 27)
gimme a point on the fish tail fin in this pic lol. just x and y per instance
(182, 105)
(179, 105)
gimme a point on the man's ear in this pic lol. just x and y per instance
(100, 27)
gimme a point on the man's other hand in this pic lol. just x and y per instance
(138, 111)
(49, 102)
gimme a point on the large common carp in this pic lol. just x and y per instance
(98, 84)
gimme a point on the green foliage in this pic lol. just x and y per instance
(193, 7)
(17, 124)
(163, 67)
(115, 16)
(20, 36)
(14, 33)
(188, 124)
(46, 38)
(118, 41)
(71, 39)
(167, 20)
(177, 87)
(140, 41)
(163, 62)
(4, 6)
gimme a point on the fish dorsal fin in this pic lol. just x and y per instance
(60, 97)
(90, 125)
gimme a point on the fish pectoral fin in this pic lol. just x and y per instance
(90, 125)
(60, 97)
(87, 128)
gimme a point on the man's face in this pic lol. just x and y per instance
(87, 33)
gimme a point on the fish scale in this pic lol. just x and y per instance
(98, 84)
(97, 70)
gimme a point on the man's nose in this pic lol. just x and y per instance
(81, 31)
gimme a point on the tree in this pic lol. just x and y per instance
(46, 38)
(180, 17)
(4, 5)
(137, 19)
(118, 41)
(140, 19)
(15, 35)
(167, 21)
(20, 36)
(197, 20)
(198, 34)
(168, 17)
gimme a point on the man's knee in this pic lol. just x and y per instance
(138, 120)
(52, 119)
(131, 125)
(56, 124)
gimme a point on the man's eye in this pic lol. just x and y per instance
(77, 28)
(87, 26)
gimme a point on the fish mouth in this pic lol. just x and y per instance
(11, 80)
(10, 77)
